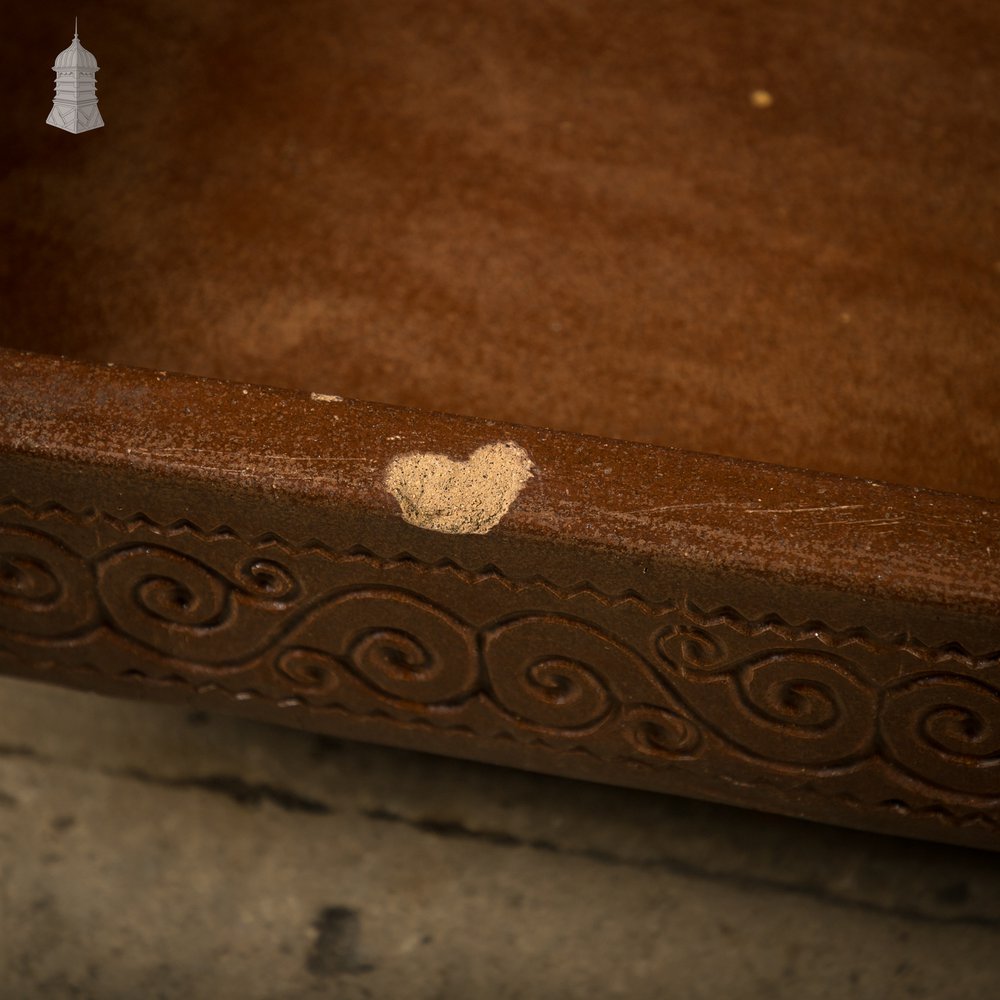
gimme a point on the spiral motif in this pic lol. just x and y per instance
(688, 645)
(790, 694)
(150, 590)
(268, 581)
(396, 643)
(803, 707)
(309, 670)
(190, 610)
(438, 667)
(945, 730)
(46, 589)
(408, 641)
(394, 656)
(28, 583)
(565, 686)
(657, 732)
(800, 707)
(193, 602)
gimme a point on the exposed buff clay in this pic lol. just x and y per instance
(469, 496)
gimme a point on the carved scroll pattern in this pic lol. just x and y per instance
(565, 670)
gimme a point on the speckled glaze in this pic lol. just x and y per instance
(810, 644)
(763, 234)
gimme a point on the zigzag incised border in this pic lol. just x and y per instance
(662, 686)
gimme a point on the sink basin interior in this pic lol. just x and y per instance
(762, 232)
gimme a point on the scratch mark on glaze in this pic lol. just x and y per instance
(748, 510)
(875, 520)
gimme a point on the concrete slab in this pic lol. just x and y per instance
(147, 851)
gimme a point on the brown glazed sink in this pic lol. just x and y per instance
(711, 293)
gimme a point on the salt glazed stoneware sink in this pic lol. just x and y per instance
(678, 327)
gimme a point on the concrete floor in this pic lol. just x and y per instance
(148, 851)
